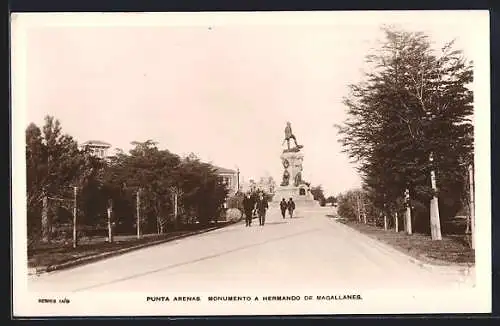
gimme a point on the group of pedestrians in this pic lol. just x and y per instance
(255, 204)
(258, 204)
(287, 206)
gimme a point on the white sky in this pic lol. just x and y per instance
(223, 93)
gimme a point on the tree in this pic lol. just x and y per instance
(204, 192)
(414, 105)
(331, 200)
(92, 197)
(318, 194)
(347, 206)
(54, 167)
(35, 169)
(153, 172)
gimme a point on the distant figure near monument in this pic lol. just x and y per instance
(283, 207)
(291, 207)
(289, 135)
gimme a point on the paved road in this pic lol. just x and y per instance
(311, 251)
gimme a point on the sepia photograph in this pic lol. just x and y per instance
(251, 163)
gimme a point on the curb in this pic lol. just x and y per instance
(36, 271)
(462, 268)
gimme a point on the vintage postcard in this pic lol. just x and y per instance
(251, 163)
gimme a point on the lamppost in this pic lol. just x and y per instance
(238, 184)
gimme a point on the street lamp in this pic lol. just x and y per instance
(238, 184)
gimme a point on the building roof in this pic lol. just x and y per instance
(96, 142)
(219, 169)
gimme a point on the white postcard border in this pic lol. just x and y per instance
(26, 303)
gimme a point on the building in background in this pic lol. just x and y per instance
(230, 178)
(248, 186)
(266, 184)
(97, 148)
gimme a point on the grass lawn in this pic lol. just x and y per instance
(452, 249)
(45, 255)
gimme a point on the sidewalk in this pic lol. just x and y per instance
(446, 255)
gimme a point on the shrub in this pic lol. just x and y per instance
(233, 214)
(236, 201)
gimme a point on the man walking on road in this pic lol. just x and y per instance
(291, 207)
(262, 206)
(248, 204)
(283, 207)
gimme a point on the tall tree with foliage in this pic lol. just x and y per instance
(318, 194)
(348, 205)
(204, 193)
(414, 104)
(35, 178)
(93, 195)
(152, 172)
(54, 167)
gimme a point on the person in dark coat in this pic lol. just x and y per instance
(291, 207)
(248, 204)
(283, 207)
(255, 198)
(262, 206)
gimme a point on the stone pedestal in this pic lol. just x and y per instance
(292, 185)
(298, 196)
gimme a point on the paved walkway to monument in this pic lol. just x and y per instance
(311, 251)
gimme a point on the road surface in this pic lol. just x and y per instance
(311, 251)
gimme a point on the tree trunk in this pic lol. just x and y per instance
(396, 222)
(408, 227)
(46, 225)
(434, 209)
(385, 222)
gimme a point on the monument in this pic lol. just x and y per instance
(292, 185)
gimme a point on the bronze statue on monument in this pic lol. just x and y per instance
(289, 135)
